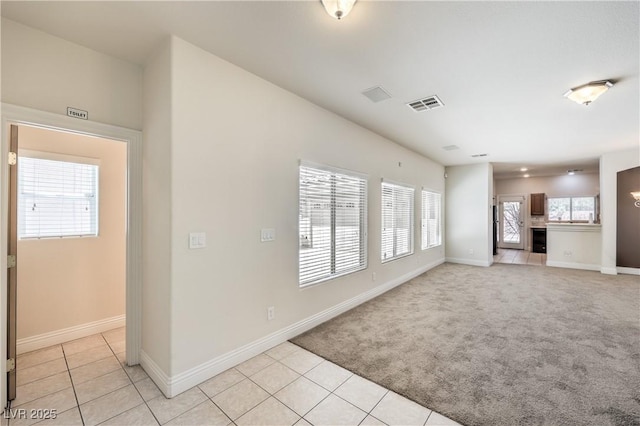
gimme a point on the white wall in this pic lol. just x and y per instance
(70, 282)
(610, 165)
(156, 210)
(468, 214)
(571, 245)
(236, 144)
(47, 73)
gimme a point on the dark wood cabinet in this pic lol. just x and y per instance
(538, 240)
(537, 204)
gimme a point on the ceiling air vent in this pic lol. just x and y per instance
(450, 147)
(479, 155)
(376, 94)
(425, 104)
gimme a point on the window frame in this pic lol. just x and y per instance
(396, 186)
(362, 240)
(75, 160)
(438, 219)
(571, 198)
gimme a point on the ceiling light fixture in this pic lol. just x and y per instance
(589, 92)
(338, 8)
(523, 169)
(525, 175)
(571, 172)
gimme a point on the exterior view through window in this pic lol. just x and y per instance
(332, 223)
(567, 209)
(431, 222)
(397, 221)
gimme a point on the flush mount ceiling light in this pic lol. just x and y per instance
(589, 92)
(338, 8)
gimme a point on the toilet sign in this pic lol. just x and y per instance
(77, 113)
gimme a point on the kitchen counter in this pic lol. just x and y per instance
(574, 245)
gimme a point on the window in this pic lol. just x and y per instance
(397, 221)
(332, 224)
(566, 209)
(431, 227)
(56, 198)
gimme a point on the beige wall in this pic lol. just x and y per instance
(47, 73)
(586, 184)
(65, 282)
(234, 170)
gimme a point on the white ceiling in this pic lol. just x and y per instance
(500, 68)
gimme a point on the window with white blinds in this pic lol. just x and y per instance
(332, 224)
(56, 198)
(431, 222)
(397, 221)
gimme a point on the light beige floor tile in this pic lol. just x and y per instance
(362, 393)
(122, 357)
(240, 398)
(221, 382)
(301, 361)
(334, 411)
(302, 395)
(68, 418)
(81, 345)
(135, 373)
(535, 259)
(269, 412)
(115, 335)
(282, 350)
(93, 370)
(139, 416)
(148, 389)
(204, 414)
(436, 419)
(303, 422)
(166, 409)
(30, 359)
(328, 375)
(372, 421)
(42, 387)
(87, 357)
(57, 402)
(274, 377)
(102, 385)
(255, 364)
(395, 409)
(110, 405)
(118, 347)
(40, 371)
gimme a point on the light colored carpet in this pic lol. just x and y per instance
(505, 345)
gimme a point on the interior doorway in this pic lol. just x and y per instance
(511, 222)
(14, 115)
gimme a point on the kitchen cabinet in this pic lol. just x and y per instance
(538, 240)
(537, 204)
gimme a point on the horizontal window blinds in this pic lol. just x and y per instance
(332, 224)
(431, 221)
(56, 198)
(397, 221)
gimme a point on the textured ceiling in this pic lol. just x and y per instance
(500, 68)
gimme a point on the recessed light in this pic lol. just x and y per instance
(523, 169)
(525, 175)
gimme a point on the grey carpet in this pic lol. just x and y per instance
(505, 345)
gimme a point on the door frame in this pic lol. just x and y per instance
(13, 114)
(523, 209)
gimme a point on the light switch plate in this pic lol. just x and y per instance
(197, 240)
(267, 235)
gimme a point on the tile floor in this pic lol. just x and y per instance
(87, 383)
(521, 257)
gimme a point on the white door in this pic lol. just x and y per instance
(511, 222)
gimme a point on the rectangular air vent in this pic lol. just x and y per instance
(376, 94)
(450, 147)
(479, 155)
(425, 104)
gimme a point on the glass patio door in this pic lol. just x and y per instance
(511, 222)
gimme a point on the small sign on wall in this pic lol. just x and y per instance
(77, 113)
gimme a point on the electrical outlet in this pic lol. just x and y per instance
(271, 313)
(373, 276)
(470, 251)
(568, 253)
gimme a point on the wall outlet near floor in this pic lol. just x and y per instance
(568, 253)
(373, 276)
(470, 251)
(271, 313)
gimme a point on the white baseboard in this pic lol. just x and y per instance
(40, 341)
(471, 262)
(174, 385)
(574, 265)
(609, 270)
(627, 270)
